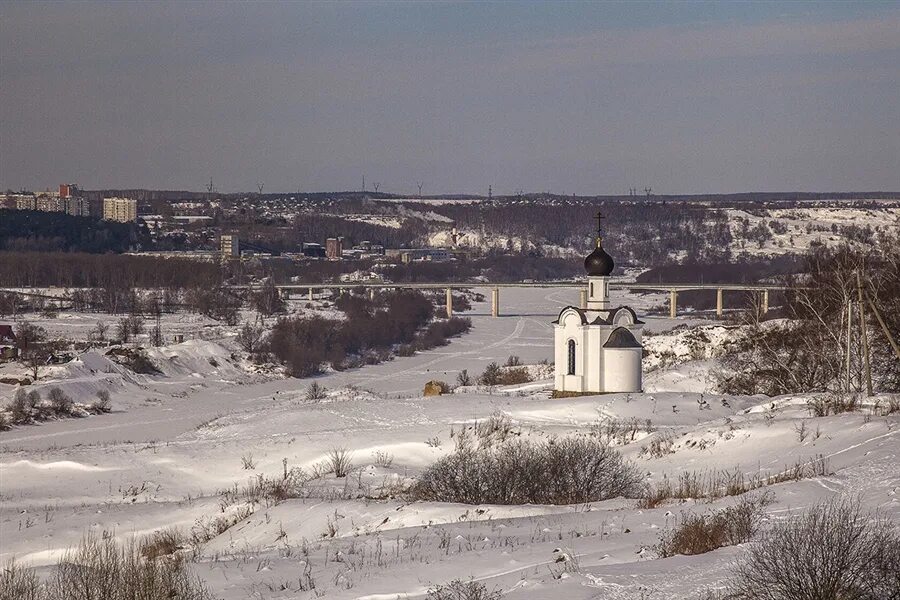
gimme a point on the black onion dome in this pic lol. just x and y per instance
(598, 263)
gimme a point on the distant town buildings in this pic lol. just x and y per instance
(122, 210)
(312, 250)
(229, 246)
(407, 255)
(67, 200)
(334, 248)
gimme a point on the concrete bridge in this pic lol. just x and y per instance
(289, 290)
(671, 288)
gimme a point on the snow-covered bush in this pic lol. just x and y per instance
(462, 590)
(560, 471)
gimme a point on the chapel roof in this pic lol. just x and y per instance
(604, 317)
(621, 338)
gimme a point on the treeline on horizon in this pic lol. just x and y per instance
(147, 195)
(638, 234)
(126, 271)
(31, 230)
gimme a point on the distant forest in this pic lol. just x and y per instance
(28, 230)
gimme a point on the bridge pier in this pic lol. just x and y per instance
(311, 295)
(371, 293)
(673, 302)
(583, 301)
(495, 302)
(719, 303)
(765, 301)
(449, 303)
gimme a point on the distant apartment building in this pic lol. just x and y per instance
(229, 246)
(312, 250)
(120, 209)
(26, 202)
(407, 255)
(334, 247)
(50, 202)
(68, 190)
(82, 207)
(9, 201)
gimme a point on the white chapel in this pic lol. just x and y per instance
(598, 346)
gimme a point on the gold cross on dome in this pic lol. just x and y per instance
(599, 216)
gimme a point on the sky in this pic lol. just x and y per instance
(563, 97)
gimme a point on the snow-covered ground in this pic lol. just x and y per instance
(803, 227)
(206, 428)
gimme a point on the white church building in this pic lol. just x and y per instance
(598, 347)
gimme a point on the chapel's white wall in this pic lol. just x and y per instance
(622, 369)
(593, 380)
(598, 293)
(570, 328)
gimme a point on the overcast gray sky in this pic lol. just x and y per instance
(584, 98)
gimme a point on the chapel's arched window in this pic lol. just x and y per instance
(571, 357)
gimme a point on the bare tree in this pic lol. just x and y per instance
(833, 550)
(249, 337)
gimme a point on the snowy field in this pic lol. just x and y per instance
(176, 443)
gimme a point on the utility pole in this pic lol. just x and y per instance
(865, 339)
(420, 184)
(364, 182)
(849, 326)
(884, 327)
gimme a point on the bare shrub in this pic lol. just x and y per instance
(660, 445)
(463, 379)
(513, 361)
(833, 403)
(103, 568)
(60, 402)
(102, 404)
(698, 534)
(622, 431)
(340, 460)
(247, 462)
(496, 427)
(316, 391)
(19, 407)
(514, 376)
(383, 459)
(165, 542)
(123, 331)
(491, 375)
(462, 590)
(710, 485)
(20, 583)
(250, 337)
(833, 551)
(560, 471)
